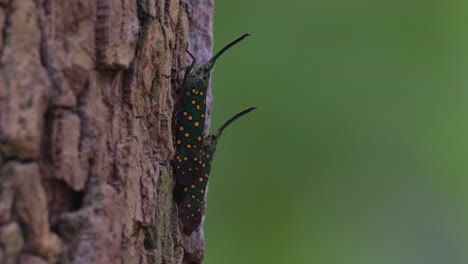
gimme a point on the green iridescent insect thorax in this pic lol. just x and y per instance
(191, 207)
(190, 110)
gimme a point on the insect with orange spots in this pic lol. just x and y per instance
(191, 207)
(189, 111)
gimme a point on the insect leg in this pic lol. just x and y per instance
(190, 67)
(187, 68)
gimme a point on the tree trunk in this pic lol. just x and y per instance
(86, 129)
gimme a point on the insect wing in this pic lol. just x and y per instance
(191, 208)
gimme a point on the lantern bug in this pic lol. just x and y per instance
(193, 197)
(190, 111)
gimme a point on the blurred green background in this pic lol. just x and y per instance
(357, 152)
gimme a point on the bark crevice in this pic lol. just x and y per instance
(86, 130)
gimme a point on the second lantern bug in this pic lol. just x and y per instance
(190, 209)
(189, 112)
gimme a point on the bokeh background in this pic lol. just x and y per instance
(358, 151)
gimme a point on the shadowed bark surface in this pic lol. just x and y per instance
(86, 129)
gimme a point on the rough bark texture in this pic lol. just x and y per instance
(86, 129)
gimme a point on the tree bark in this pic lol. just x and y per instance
(86, 129)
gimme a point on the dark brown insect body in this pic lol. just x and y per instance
(190, 111)
(190, 209)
